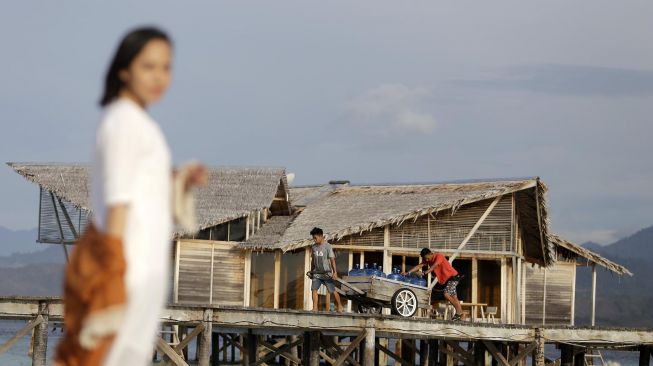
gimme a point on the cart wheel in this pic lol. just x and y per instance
(404, 302)
(368, 309)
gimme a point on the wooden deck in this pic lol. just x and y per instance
(366, 331)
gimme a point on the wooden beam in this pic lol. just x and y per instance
(184, 342)
(538, 356)
(169, 352)
(523, 353)
(352, 346)
(20, 334)
(457, 357)
(61, 236)
(461, 354)
(593, 313)
(474, 280)
(211, 274)
(495, 353)
(394, 356)
(474, 228)
(278, 351)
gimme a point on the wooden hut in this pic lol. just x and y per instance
(252, 244)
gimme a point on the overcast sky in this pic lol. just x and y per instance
(370, 91)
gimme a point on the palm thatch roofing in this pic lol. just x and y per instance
(270, 232)
(349, 210)
(231, 192)
(573, 251)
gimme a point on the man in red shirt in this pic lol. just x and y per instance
(447, 276)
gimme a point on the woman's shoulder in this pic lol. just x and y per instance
(123, 108)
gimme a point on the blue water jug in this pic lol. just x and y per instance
(423, 282)
(395, 275)
(368, 271)
(379, 272)
(356, 271)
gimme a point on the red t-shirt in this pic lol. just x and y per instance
(443, 269)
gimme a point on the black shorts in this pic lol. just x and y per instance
(449, 288)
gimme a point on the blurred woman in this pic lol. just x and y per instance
(117, 279)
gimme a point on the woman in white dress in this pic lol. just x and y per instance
(132, 191)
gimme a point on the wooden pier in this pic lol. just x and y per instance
(252, 336)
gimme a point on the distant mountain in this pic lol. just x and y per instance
(595, 247)
(621, 300)
(39, 273)
(45, 279)
(18, 241)
(47, 253)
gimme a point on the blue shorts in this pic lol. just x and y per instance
(317, 283)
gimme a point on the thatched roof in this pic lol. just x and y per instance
(357, 209)
(232, 192)
(270, 232)
(573, 251)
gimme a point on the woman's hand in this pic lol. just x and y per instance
(197, 177)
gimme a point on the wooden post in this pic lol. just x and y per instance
(593, 294)
(518, 298)
(504, 290)
(370, 346)
(293, 350)
(247, 278)
(308, 301)
(544, 298)
(573, 296)
(423, 352)
(40, 337)
(538, 356)
(644, 355)
(175, 280)
(579, 357)
(250, 355)
(566, 355)
(314, 349)
(443, 357)
(277, 277)
(523, 293)
(474, 283)
(215, 346)
(204, 339)
(433, 352)
(479, 354)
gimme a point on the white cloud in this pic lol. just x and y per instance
(392, 109)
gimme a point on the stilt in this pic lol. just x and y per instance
(479, 354)
(566, 355)
(538, 356)
(423, 352)
(579, 357)
(370, 346)
(215, 346)
(204, 339)
(433, 352)
(644, 355)
(250, 355)
(41, 337)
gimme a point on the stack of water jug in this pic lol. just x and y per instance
(396, 275)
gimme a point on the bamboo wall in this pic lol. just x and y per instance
(209, 272)
(549, 294)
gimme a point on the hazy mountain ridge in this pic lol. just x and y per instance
(621, 300)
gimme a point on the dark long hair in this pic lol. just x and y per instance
(130, 46)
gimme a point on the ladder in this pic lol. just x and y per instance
(592, 355)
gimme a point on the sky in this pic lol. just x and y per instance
(368, 91)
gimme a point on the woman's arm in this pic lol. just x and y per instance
(116, 218)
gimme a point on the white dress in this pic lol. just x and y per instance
(132, 166)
